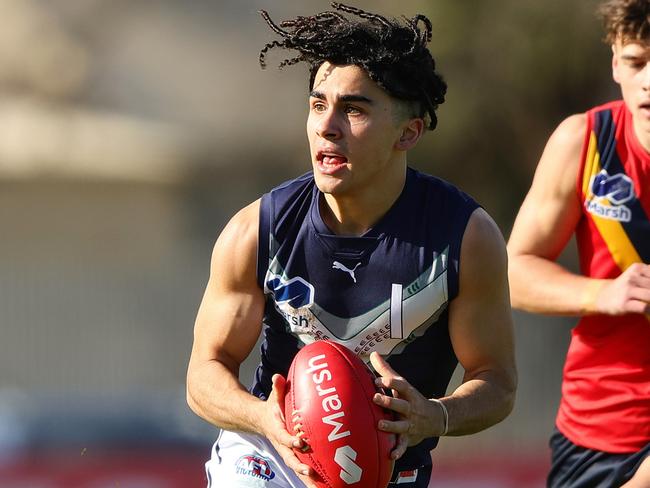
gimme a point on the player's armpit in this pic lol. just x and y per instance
(481, 331)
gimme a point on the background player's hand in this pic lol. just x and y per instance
(272, 427)
(417, 417)
(629, 293)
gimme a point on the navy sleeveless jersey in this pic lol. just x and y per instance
(386, 291)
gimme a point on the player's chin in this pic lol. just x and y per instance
(331, 185)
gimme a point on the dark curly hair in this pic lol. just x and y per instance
(393, 53)
(627, 20)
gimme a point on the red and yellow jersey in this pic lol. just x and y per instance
(606, 387)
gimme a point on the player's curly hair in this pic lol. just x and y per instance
(628, 20)
(393, 53)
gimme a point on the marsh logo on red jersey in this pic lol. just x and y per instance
(608, 194)
(254, 466)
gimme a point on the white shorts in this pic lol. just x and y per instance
(248, 461)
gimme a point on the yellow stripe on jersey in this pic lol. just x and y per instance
(592, 165)
(620, 247)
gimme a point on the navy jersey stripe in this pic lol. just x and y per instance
(638, 228)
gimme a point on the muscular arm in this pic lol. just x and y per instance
(227, 327)
(544, 225)
(547, 219)
(480, 327)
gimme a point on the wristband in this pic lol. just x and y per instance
(445, 416)
(589, 296)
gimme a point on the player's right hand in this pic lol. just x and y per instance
(628, 293)
(273, 428)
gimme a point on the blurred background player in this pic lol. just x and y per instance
(593, 179)
(363, 250)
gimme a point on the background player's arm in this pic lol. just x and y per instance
(227, 327)
(547, 219)
(480, 327)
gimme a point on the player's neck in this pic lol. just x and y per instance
(355, 214)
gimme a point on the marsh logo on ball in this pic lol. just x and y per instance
(350, 472)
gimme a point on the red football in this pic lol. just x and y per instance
(329, 400)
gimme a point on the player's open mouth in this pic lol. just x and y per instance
(645, 109)
(330, 162)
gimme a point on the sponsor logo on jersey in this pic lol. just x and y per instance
(296, 292)
(608, 194)
(255, 467)
(405, 314)
(345, 269)
(292, 298)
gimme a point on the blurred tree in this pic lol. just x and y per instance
(515, 68)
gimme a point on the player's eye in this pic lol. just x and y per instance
(352, 110)
(636, 63)
(318, 107)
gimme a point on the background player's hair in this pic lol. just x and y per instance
(628, 20)
(393, 53)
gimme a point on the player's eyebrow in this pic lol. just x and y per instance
(342, 98)
(632, 56)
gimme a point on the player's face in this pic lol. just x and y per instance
(631, 70)
(352, 131)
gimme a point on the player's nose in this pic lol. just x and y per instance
(329, 125)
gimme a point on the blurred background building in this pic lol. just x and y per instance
(130, 131)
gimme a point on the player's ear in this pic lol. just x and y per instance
(411, 133)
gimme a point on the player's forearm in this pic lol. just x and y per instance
(215, 394)
(539, 285)
(480, 402)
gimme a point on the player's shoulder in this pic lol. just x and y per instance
(482, 232)
(245, 220)
(571, 131)
(240, 233)
(483, 252)
(289, 194)
(234, 255)
(440, 188)
(562, 154)
(292, 186)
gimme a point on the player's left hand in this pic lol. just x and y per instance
(416, 415)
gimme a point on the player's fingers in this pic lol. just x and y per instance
(643, 270)
(396, 404)
(278, 385)
(380, 365)
(637, 306)
(640, 295)
(276, 403)
(641, 282)
(400, 447)
(292, 461)
(395, 426)
(285, 439)
(309, 483)
(396, 383)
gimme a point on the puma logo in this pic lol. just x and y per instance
(343, 267)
